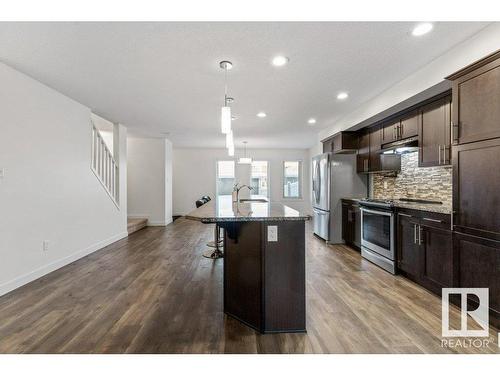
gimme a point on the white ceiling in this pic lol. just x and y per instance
(165, 77)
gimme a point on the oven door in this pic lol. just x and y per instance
(377, 232)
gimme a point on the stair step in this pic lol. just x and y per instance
(133, 224)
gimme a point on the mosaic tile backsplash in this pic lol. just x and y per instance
(431, 183)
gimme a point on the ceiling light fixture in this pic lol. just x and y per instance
(342, 96)
(280, 60)
(225, 113)
(245, 159)
(261, 114)
(422, 29)
(311, 121)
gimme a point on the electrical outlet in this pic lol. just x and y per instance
(272, 233)
(385, 184)
(46, 244)
(2, 172)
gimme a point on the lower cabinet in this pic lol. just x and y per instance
(477, 265)
(425, 249)
(351, 224)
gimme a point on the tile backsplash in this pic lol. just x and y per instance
(431, 183)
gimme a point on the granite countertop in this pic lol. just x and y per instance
(223, 210)
(428, 207)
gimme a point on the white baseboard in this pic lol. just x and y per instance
(158, 223)
(48, 268)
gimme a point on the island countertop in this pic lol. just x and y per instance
(224, 210)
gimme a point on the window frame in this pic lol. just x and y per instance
(217, 174)
(268, 196)
(301, 174)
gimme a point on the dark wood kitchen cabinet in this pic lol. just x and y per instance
(435, 133)
(425, 249)
(476, 101)
(407, 249)
(351, 223)
(409, 125)
(476, 188)
(374, 163)
(436, 257)
(477, 265)
(402, 127)
(363, 156)
(388, 131)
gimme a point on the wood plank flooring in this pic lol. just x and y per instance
(153, 292)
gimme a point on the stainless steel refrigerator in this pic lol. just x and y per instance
(334, 177)
(321, 195)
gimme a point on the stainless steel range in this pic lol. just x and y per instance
(378, 238)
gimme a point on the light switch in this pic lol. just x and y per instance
(1, 172)
(272, 233)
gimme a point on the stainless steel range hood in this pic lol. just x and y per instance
(401, 147)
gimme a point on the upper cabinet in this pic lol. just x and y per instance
(434, 133)
(400, 128)
(476, 98)
(363, 157)
(342, 143)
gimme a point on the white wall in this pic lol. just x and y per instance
(49, 191)
(150, 179)
(465, 53)
(194, 175)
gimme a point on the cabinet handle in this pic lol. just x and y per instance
(394, 132)
(414, 233)
(445, 152)
(455, 131)
(439, 154)
(405, 215)
(419, 235)
(401, 130)
(433, 220)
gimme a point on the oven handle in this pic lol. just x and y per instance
(376, 212)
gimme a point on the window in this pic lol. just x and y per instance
(259, 180)
(225, 177)
(292, 179)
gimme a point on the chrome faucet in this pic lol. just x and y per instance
(237, 190)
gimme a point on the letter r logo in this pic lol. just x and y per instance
(480, 315)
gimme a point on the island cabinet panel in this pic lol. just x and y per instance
(264, 278)
(476, 98)
(434, 133)
(284, 278)
(476, 192)
(477, 265)
(242, 272)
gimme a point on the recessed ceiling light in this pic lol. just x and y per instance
(261, 114)
(342, 95)
(422, 29)
(311, 121)
(280, 60)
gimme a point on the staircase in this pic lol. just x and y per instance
(134, 224)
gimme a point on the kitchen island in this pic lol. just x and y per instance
(264, 262)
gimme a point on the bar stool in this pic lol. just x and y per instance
(216, 253)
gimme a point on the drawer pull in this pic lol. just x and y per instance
(405, 215)
(433, 220)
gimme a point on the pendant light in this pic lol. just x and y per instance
(225, 113)
(245, 160)
(229, 140)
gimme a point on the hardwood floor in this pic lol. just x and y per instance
(154, 293)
